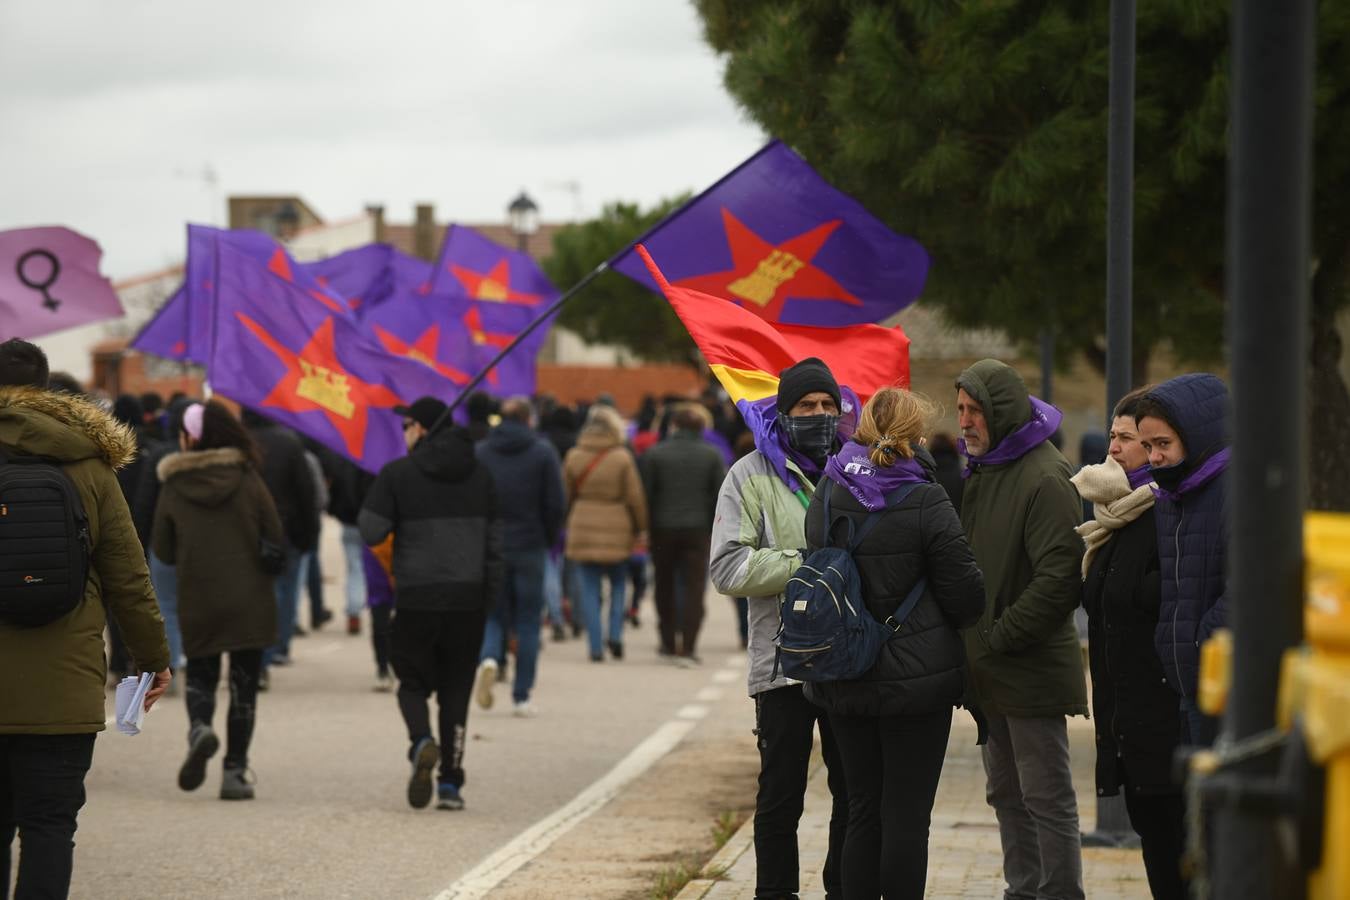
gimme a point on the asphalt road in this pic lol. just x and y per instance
(331, 818)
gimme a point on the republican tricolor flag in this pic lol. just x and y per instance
(746, 353)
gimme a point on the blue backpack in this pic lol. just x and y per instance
(827, 634)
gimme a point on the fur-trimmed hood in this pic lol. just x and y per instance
(62, 426)
(208, 477)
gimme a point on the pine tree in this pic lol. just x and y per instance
(980, 128)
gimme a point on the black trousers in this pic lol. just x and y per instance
(381, 629)
(892, 764)
(680, 555)
(1160, 822)
(203, 674)
(437, 652)
(784, 722)
(41, 792)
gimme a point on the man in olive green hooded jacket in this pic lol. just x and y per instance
(52, 700)
(1019, 510)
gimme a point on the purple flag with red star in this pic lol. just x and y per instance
(776, 238)
(182, 329)
(369, 275)
(279, 351)
(484, 270)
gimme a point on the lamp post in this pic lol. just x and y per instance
(287, 221)
(523, 214)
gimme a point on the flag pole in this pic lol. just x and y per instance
(553, 307)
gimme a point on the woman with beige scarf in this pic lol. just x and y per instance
(1135, 711)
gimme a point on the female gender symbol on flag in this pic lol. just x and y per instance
(49, 281)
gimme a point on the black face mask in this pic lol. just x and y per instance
(811, 436)
(1169, 478)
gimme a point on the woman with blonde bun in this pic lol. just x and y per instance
(892, 723)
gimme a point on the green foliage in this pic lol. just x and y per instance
(980, 128)
(614, 309)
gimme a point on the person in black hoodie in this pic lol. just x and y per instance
(528, 478)
(440, 505)
(1134, 710)
(291, 484)
(892, 723)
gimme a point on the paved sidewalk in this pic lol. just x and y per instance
(964, 857)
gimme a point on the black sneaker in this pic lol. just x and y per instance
(424, 755)
(616, 649)
(448, 797)
(202, 745)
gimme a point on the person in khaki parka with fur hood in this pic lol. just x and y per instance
(53, 701)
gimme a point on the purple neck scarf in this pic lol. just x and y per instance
(1211, 469)
(852, 468)
(761, 417)
(1140, 476)
(1038, 429)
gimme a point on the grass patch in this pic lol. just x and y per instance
(672, 879)
(726, 826)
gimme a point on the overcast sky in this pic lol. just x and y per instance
(112, 111)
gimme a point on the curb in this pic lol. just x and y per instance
(722, 861)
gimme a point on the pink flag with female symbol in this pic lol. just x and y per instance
(49, 281)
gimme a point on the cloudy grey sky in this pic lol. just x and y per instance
(113, 110)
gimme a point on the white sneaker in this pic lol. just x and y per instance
(384, 684)
(487, 680)
(524, 710)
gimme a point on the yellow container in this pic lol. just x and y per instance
(1216, 672)
(1316, 686)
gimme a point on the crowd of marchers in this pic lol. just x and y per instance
(537, 518)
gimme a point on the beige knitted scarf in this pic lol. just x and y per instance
(1114, 504)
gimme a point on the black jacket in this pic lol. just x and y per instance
(920, 669)
(441, 507)
(682, 476)
(347, 486)
(146, 498)
(290, 482)
(1193, 532)
(528, 478)
(1136, 712)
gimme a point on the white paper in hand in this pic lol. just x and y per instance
(130, 702)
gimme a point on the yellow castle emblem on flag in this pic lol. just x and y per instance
(329, 389)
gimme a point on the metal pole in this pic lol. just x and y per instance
(1113, 821)
(1268, 283)
(1047, 365)
(1120, 207)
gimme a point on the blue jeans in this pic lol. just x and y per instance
(553, 589)
(356, 573)
(287, 586)
(589, 578)
(165, 579)
(518, 612)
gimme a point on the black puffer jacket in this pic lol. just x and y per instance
(441, 506)
(920, 669)
(1136, 712)
(1192, 530)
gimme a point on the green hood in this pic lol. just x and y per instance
(1001, 393)
(62, 426)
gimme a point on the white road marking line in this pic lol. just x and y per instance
(710, 694)
(693, 712)
(725, 676)
(480, 880)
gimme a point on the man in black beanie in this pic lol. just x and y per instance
(758, 541)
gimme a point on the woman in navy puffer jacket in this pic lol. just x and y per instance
(1183, 424)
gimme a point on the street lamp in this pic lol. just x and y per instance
(524, 217)
(287, 221)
